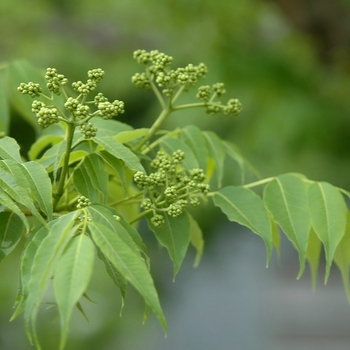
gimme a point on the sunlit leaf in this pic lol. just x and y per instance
(244, 206)
(72, 276)
(328, 215)
(11, 230)
(9, 149)
(174, 235)
(286, 197)
(129, 263)
(131, 135)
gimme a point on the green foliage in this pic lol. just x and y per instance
(88, 181)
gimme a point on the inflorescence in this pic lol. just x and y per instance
(77, 110)
(170, 188)
(158, 73)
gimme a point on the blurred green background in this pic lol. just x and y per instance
(287, 62)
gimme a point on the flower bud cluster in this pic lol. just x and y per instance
(208, 95)
(46, 115)
(55, 80)
(77, 109)
(31, 89)
(88, 130)
(83, 202)
(170, 187)
(158, 70)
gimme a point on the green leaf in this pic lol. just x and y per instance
(27, 259)
(286, 197)
(72, 276)
(194, 138)
(109, 217)
(4, 108)
(117, 166)
(170, 145)
(118, 279)
(97, 172)
(11, 230)
(40, 185)
(18, 72)
(44, 264)
(328, 215)
(244, 206)
(174, 235)
(7, 202)
(131, 135)
(109, 127)
(14, 183)
(313, 256)
(42, 144)
(197, 241)
(245, 171)
(119, 151)
(9, 149)
(276, 238)
(217, 153)
(342, 257)
(129, 263)
(83, 184)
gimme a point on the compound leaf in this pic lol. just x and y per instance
(197, 241)
(328, 215)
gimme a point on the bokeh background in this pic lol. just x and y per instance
(288, 61)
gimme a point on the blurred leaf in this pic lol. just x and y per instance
(130, 135)
(342, 257)
(11, 230)
(83, 184)
(42, 144)
(313, 253)
(197, 241)
(244, 206)
(286, 197)
(4, 108)
(217, 153)
(72, 276)
(174, 235)
(328, 215)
